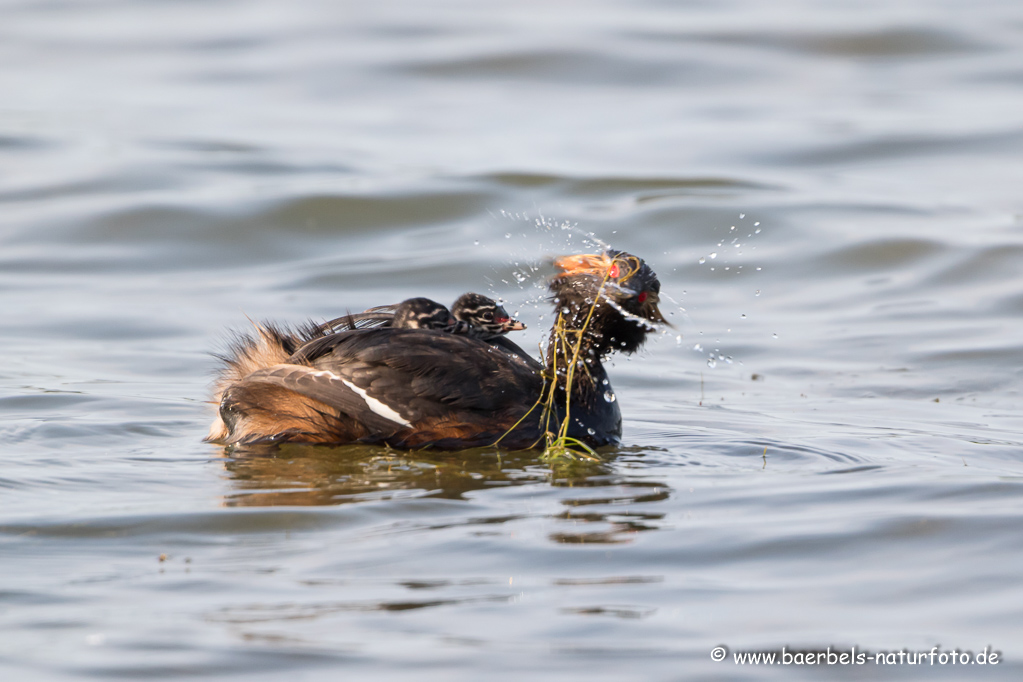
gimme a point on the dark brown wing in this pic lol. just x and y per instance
(410, 380)
(404, 387)
(423, 373)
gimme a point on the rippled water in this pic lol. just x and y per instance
(825, 450)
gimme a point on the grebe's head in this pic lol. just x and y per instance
(622, 290)
(422, 313)
(484, 315)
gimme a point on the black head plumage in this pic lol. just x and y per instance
(615, 291)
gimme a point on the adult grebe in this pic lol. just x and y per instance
(413, 388)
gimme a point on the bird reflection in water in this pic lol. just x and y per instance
(604, 505)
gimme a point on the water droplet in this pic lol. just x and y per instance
(714, 255)
(741, 216)
(743, 316)
(702, 259)
(507, 235)
(756, 231)
(712, 363)
(756, 224)
(757, 292)
(609, 396)
(678, 340)
(591, 432)
(731, 228)
(476, 242)
(774, 336)
(758, 269)
(604, 382)
(698, 348)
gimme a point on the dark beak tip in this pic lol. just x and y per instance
(653, 313)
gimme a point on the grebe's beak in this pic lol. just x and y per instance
(509, 324)
(650, 311)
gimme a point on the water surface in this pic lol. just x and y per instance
(824, 451)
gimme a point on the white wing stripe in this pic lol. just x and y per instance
(374, 405)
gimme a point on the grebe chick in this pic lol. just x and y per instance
(486, 318)
(422, 313)
(472, 314)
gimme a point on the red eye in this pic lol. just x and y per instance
(641, 297)
(613, 272)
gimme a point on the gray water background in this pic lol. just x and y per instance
(824, 451)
